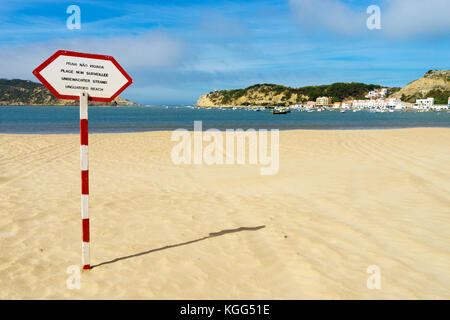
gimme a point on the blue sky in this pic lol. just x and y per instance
(177, 50)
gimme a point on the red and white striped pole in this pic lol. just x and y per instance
(84, 180)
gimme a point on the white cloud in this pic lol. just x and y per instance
(399, 18)
(416, 17)
(328, 15)
(155, 49)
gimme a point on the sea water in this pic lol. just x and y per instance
(59, 119)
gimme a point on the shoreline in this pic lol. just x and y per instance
(192, 130)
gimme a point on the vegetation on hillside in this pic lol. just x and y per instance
(434, 84)
(338, 91)
(440, 96)
(24, 92)
(17, 83)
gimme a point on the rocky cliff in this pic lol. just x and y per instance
(435, 83)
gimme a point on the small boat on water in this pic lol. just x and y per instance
(279, 111)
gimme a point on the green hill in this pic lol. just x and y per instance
(25, 92)
(272, 94)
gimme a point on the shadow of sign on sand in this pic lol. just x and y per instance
(211, 235)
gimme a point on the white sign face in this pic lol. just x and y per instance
(66, 76)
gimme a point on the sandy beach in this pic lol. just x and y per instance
(341, 201)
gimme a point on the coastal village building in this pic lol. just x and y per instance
(378, 93)
(424, 104)
(440, 107)
(323, 101)
(347, 104)
(370, 104)
(393, 102)
(376, 104)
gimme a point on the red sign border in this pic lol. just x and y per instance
(37, 73)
